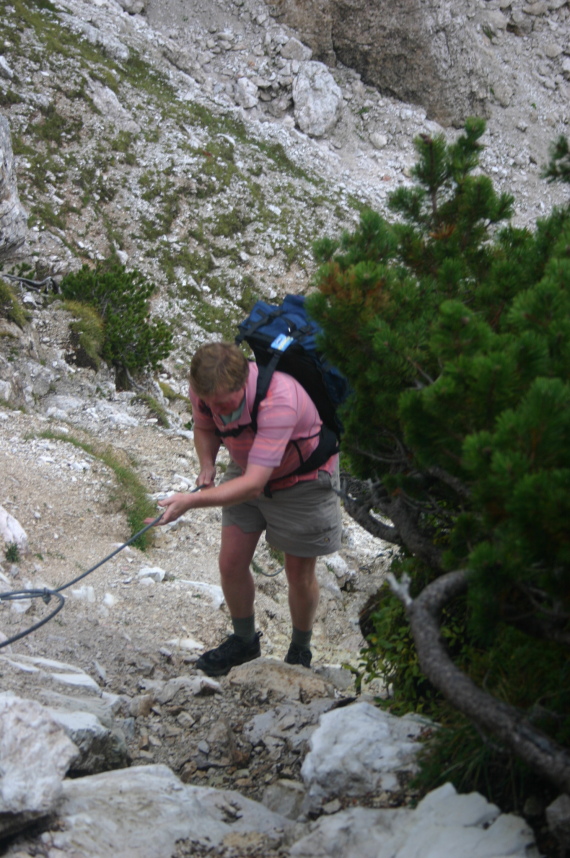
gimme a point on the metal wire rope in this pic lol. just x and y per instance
(46, 593)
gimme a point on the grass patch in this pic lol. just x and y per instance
(57, 41)
(122, 143)
(55, 128)
(12, 553)
(154, 407)
(9, 97)
(171, 394)
(147, 80)
(228, 224)
(284, 164)
(88, 333)
(214, 320)
(132, 493)
(198, 265)
(43, 214)
(10, 307)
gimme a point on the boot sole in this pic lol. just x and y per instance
(224, 671)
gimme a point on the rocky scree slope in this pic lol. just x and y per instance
(129, 137)
(168, 135)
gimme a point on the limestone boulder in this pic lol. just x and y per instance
(13, 217)
(36, 755)
(431, 54)
(317, 100)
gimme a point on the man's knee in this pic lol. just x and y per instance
(300, 570)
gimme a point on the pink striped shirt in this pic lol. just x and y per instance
(287, 414)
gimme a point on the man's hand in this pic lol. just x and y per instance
(175, 506)
(206, 477)
(244, 488)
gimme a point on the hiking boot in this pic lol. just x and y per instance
(299, 655)
(233, 651)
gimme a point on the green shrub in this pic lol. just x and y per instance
(54, 128)
(132, 341)
(453, 328)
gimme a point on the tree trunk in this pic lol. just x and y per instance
(506, 723)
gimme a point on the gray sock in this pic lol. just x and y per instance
(301, 639)
(244, 628)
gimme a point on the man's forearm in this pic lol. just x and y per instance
(206, 444)
(240, 489)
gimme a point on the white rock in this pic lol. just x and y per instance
(133, 7)
(213, 591)
(496, 20)
(185, 643)
(141, 812)
(444, 824)
(155, 573)
(5, 70)
(12, 531)
(558, 816)
(296, 50)
(246, 93)
(36, 755)
(84, 594)
(100, 748)
(20, 606)
(58, 670)
(317, 99)
(358, 749)
(379, 141)
(188, 686)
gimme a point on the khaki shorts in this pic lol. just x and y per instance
(303, 520)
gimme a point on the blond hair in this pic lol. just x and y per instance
(218, 368)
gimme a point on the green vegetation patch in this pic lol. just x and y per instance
(132, 494)
(10, 307)
(453, 328)
(55, 128)
(155, 408)
(88, 334)
(133, 342)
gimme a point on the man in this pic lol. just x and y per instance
(260, 491)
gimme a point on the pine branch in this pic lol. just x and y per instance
(399, 460)
(359, 498)
(538, 622)
(449, 480)
(406, 524)
(497, 718)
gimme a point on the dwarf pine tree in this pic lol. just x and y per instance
(132, 341)
(453, 328)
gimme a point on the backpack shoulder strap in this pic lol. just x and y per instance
(264, 376)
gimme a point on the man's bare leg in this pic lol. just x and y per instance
(303, 590)
(236, 553)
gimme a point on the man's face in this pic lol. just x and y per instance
(223, 402)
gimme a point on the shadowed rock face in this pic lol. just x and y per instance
(425, 53)
(13, 218)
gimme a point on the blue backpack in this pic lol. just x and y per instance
(284, 337)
